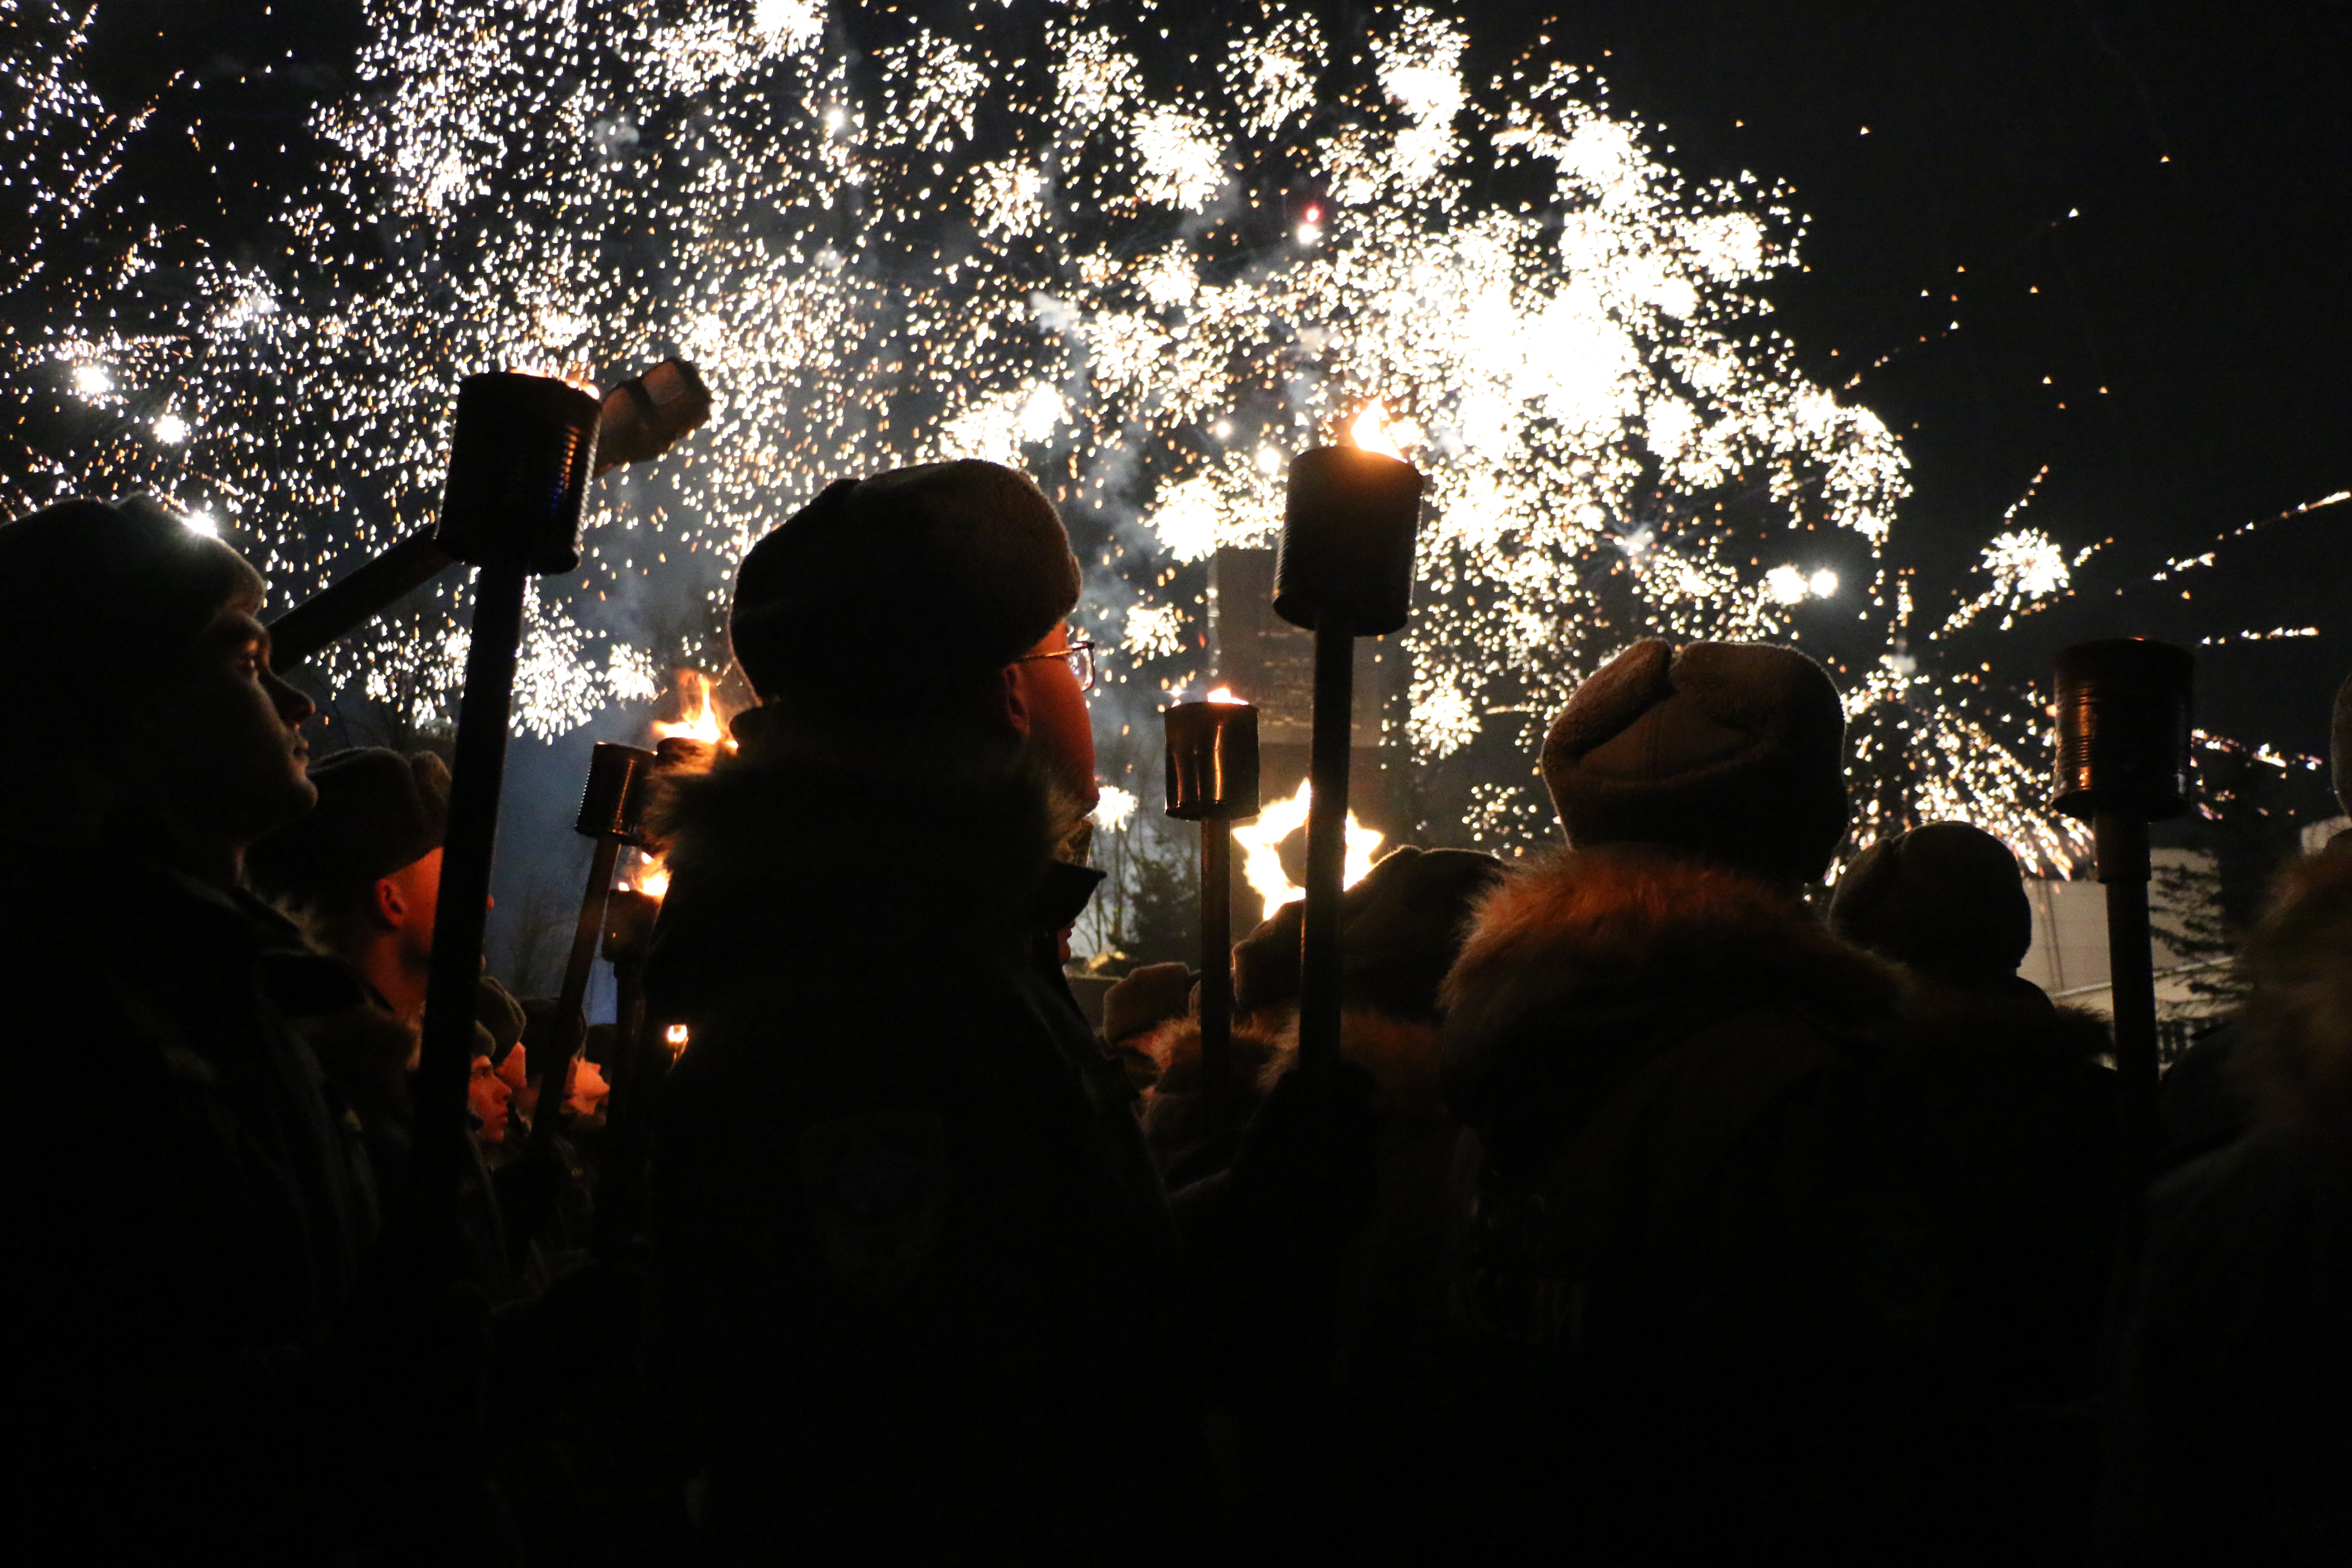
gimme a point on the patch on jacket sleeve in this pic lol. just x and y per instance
(876, 1186)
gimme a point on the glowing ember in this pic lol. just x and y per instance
(675, 1037)
(651, 877)
(1261, 844)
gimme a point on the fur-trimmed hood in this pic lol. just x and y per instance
(1580, 964)
(786, 855)
(2013, 1013)
(2294, 1056)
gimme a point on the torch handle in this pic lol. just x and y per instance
(1216, 971)
(2120, 839)
(1319, 959)
(555, 1082)
(333, 613)
(621, 1170)
(447, 1055)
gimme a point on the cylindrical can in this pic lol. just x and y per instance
(614, 801)
(1347, 528)
(2123, 728)
(1212, 760)
(520, 463)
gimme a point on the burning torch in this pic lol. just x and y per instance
(1212, 780)
(519, 468)
(611, 809)
(642, 417)
(2123, 762)
(1344, 571)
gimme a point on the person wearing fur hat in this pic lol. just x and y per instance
(1701, 1281)
(2231, 1418)
(175, 1289)
(919, 1277)
(2018, 1118)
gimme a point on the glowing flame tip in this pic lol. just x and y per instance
(1370, 431)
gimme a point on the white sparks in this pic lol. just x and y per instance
(1114, 808)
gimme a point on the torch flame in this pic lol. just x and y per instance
(1370, 431)
(1224, 694)
(699, 719)
(1261, 843)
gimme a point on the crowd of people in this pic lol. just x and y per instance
(1671, 1202)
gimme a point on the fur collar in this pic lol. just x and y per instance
(2009, 1015)
(2294, 1057)
(1598, 953)
(1401, 1055)
(786, 853)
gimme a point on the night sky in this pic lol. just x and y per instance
(2137, 215)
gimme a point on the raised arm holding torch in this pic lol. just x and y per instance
(1344, 571)
(642, 417)
(610, 809)
(1212, 780)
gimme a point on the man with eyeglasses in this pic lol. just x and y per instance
(919, 1278)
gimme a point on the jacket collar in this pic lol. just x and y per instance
(786, 853)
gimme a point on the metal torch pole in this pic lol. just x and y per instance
(460, 918)
(2120, 841)
(556, 1080)
(1216, 968)
(1320, 960)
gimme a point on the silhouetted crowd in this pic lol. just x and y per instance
(1666, 1205)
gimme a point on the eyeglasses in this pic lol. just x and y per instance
(1081, 656)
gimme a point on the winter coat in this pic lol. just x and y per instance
(1358, 1455)
(185, 1218)
(2231, 1435)
(1703, 1286)
(2016, 1120)
(919, 1276)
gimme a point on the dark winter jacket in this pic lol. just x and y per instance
(185, 1218)
(1358, 1451)
(1702, 1285)
(2017, 1134)
(2232, 1435)
(918, 1275)
(2019, 1113)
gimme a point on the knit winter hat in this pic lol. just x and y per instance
(1401, 928)
(377, 812)
(114, 595)
(1947, 897)
(878, 585)
(1731, 751)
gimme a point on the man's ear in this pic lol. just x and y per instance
(1012, 710)
(389, 905)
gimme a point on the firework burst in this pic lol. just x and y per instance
(1018, 236)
